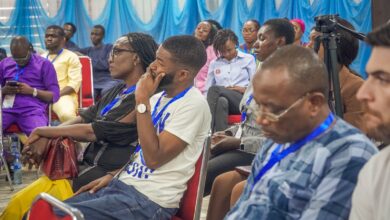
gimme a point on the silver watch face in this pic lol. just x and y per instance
(35, 92)
(141, 108)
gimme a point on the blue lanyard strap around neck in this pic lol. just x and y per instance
(156, 116)
(108, 107)
(19, 72)
(244, 112)
(58, 54)
(276, 157)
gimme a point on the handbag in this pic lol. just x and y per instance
(61, 159)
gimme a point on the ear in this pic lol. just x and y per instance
(316, 101)
(184, 75)
(281, 41)
(136, 60)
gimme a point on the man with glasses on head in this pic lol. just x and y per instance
(68, 68)
(308, 167)
(29, 83)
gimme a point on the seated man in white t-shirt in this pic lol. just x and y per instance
(152, 185)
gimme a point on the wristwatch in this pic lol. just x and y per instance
(35, 92)
(141, 108)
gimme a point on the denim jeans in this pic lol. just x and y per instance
(118, 201)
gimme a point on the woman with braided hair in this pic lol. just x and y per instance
(109, 126)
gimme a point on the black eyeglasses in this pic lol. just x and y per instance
(24, 59)
(116, 51)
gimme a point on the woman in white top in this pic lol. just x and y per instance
(228, 77)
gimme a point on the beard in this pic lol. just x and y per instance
(166, 81)
(380, 133)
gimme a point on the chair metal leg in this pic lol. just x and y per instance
(4, 162)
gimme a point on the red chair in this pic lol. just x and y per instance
(42, 208)
(234, 119)
(86, 90)
(191, 203)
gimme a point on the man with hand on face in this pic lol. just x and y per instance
(308, 167)
(172, 127)
(68, 68)
(29, 83)
(371, 197)
(99, 54)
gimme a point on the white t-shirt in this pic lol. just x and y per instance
(371, 198)
(189, 119)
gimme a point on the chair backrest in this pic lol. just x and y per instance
(42, 208)
(234, 119)
(86, 98)
(191, 203)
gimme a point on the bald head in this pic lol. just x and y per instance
(306, 72)
(20, 43)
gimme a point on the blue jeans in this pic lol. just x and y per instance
(117, 201)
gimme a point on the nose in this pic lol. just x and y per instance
(364, 93)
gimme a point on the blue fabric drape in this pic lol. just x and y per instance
(120, 17)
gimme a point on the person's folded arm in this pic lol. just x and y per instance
(79, 132)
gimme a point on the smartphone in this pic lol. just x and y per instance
(12, 83)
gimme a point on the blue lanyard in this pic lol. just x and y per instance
(276, 157)
(156, 116)
(59, 53)
(245, 48)
(108, 107)
(19, 72)
(244, 112)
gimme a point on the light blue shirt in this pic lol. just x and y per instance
(236, 72)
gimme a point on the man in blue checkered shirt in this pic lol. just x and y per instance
(309, 166)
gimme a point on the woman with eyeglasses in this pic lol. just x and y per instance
(249, 33)
(228, 77)
(205, 32)
(109, 126)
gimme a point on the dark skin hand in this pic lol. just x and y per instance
(237, 88)
(25, 89)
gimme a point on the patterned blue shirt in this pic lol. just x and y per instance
(315, 182)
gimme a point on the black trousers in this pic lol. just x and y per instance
(222, 102)
(225, 162)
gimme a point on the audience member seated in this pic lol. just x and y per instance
(172, 127)
(249, 33)
(350, 81)
(70, 29)
(370, 199)
(29, 83)
(3, 53)
(299, 28)
(109, 125)
(273, 34)
(205, 32)
(99, 53)
(227, 79)
(68, 68)
(308, 167)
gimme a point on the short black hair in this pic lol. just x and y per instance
(281, 28)
(215, 24)
(256, 22)
(222, 37)
(98, 26)
(380, 36)
(145, 47)
(347, 45)
(307, 72)
(58, 28)
(74, 29)
(186, 50)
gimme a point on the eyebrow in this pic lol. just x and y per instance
(379, 72)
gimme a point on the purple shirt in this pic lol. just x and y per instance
(40, 74)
